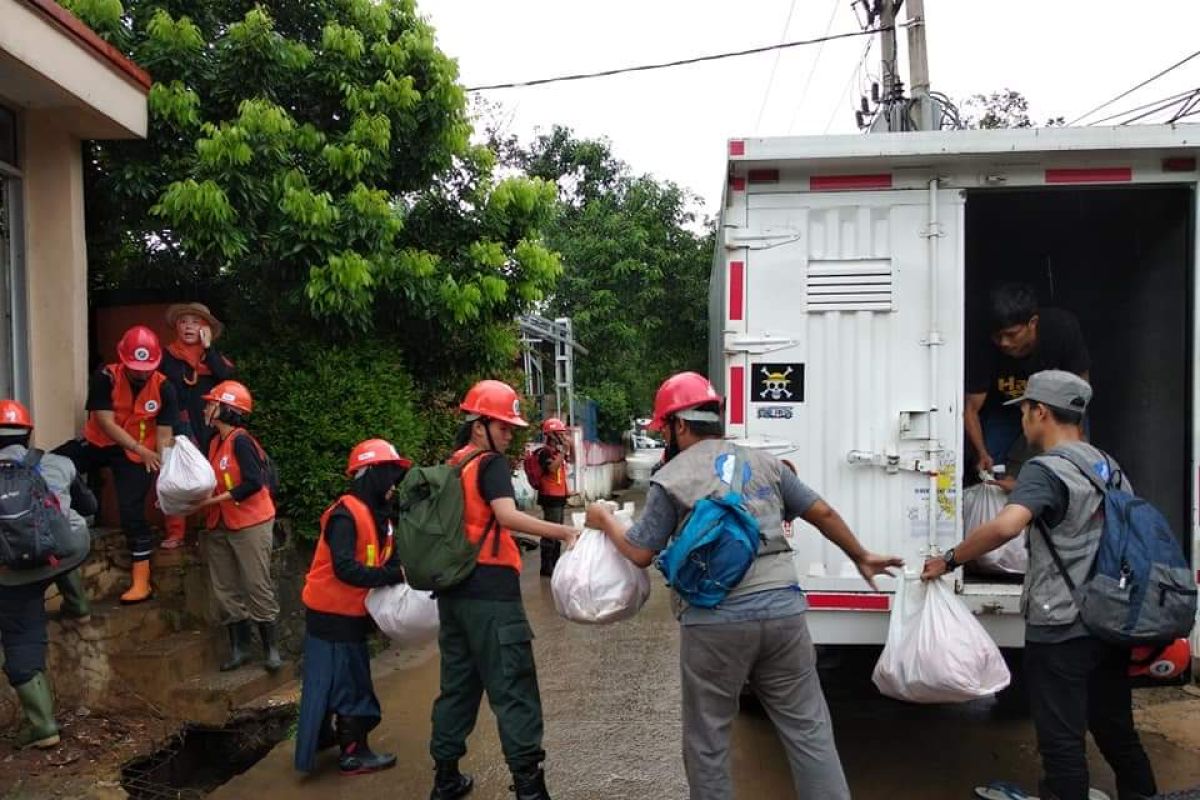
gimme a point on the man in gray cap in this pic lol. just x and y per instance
(1076, 682)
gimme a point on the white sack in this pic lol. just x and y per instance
(404, 614)
(593, 583)
(981, 503)
(936, 651)
(185, 480)
(525, 494)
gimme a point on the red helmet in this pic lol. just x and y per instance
(14, 415)
(372, 452)
(494, 400)
(679, 392)
(1160, 662)
(232, 394)
(139, 349)
(554, 425)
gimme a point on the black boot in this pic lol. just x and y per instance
(327, 737)
(449, 783)
(239, 641)
(356, 757)
(271, 660)
(530, 784)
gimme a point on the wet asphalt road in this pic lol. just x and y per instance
(611, 697)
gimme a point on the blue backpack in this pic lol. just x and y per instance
(1140, 589)
(715, 548)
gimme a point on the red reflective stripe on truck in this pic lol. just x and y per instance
(737, 184)
(737, 148)
(1090, 175)
(737, 396)
(737, 283)
(831, 183)
(849, 602)
(764, 176)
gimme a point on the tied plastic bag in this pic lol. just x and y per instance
(404, 614)
(594, 584)
(936, 651)
(185, 480)
(526, 495)
(982, 503)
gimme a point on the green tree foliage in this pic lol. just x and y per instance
(636, 264)
(1004, 109)
(312, 159)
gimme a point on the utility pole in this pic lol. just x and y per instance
(887, 25)
(918, 65)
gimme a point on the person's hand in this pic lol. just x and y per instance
(208, 501)
(150, 458)
(986, 462)
(1006, 483)
(206, 336)
(598, 516)
(871, 565)
(572, 536)
(935, 567)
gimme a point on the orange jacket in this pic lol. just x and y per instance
(500, 549)
(322, 590)
(231, 514)
(137, 416)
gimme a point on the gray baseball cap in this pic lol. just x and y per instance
(1057, 388)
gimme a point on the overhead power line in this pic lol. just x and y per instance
(816, 60)
(681, 62)
(775, 67)
(1130, 91)
(1152, 104)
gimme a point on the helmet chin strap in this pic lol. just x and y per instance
(487, 429)
(672, 443)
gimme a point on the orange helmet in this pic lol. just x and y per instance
(494, 400)
(680, 392)
(14, 415)
(1160, 662)
(554, 425)
(139, 349)
(232, 394)
(373, 452)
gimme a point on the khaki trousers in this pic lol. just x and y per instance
(239, 567)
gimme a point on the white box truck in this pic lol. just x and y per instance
(851, 275)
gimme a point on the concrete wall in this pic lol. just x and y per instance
(56, 276)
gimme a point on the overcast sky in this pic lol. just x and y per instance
(1066, 57)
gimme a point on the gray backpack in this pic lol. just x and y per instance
(34, 529)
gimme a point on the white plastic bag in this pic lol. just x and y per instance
(936, 651)
(404, 614)
(982, 503)
(594, 584)
(185, 480)
(526, 495)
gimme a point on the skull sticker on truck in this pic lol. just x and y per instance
(778, 383)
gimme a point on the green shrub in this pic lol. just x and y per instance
(314, 404)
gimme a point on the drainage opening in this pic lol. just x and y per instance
(200, 758)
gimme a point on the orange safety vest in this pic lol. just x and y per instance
(232, 515)
(501, 548)
(137, 416)
(554, 483)
(323, 591)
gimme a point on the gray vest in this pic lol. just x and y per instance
(1046, 599)
(693, 475)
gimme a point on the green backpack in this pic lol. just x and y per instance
(431, 535)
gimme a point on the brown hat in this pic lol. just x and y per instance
(200, 310)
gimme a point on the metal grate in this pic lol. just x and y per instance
(860, 284)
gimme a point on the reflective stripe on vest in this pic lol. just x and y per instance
(322, 590)
(478, 518)
(232, 515)
(137, 416)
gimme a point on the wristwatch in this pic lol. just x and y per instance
(951, 564)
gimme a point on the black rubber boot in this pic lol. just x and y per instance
(271, 659)
(239, 641)
(449, 783)
(530, 784)
(356, 757)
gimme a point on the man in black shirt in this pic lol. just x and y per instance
(1024, 339)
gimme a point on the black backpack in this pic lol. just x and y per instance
(270, 475)
(34, 529)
